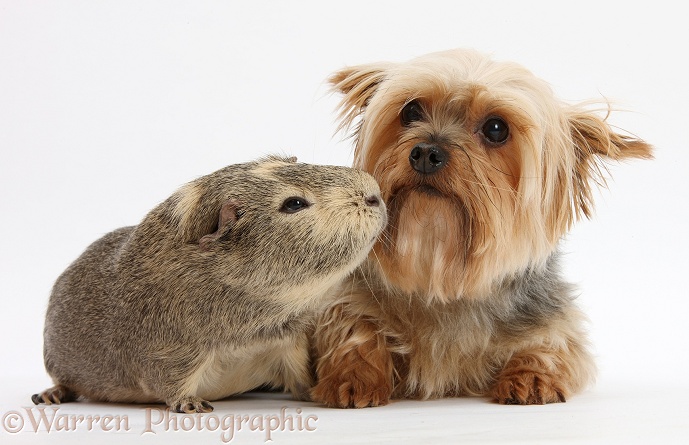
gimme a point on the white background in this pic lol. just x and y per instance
(106, 107)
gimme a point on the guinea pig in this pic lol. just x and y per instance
(214, 292)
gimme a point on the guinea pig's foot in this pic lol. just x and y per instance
(57, 394)
(190, 405)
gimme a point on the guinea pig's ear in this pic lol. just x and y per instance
(227, 217)
(358, 84)
(595, 141)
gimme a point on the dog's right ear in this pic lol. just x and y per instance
(357, 84)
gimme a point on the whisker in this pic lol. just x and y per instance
(493, 186)
(482, 188)
(368, 283)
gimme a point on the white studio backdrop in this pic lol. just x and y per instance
(106, 107)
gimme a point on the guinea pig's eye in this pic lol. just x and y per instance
(412, 112)
(294, 204)
(495, 130)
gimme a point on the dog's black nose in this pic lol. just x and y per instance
(427, 158)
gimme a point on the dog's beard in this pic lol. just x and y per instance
(460, 231)
(492, 210)
(451, 235)
(426, 244)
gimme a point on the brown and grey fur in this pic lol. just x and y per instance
(214, 292)
(462, 293)
(421, 350)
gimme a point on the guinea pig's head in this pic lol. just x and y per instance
(281, 223)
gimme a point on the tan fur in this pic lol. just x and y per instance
(462, 292)
(185, 208)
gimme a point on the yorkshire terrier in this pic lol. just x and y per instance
(483, 171)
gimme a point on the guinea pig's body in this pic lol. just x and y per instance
(213, 293)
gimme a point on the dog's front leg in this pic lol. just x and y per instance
(354, 366)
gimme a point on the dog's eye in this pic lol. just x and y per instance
(294, 205)
(412, 112)
(495, 130)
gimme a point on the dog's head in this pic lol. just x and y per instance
(482, 168)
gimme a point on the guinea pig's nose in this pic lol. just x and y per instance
(427, 158)
(372, 201)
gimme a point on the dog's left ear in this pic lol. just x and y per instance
(595, 141)
(357, 84)
(593, 136)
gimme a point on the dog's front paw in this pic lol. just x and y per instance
(361, 377)
(190, 405)
(353, 391)
(524, 382)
